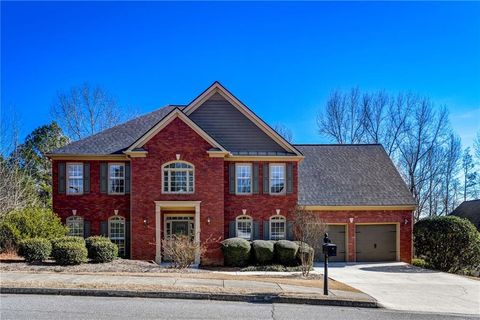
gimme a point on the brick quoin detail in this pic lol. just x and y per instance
(374, 217)
(94, 206)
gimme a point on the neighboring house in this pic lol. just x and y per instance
(469, 210)
(214, 169)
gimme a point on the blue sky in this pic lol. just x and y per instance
(281, 59)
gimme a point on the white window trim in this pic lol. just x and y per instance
(177, 169)
(109, 178)
(242, 164)
(243, 218)
(270, 179)
(76, 218)
(270, 226)
(124, 239)
(67, 178)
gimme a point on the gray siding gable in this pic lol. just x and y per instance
(232, 129)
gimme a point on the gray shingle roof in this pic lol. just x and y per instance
(349, 175)
(469, 210)
(118, 138)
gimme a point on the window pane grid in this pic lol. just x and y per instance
(75, 226)
(244, 178)
(277, 178)
(178, 178)
(244, 227)
(117, 233)
(277, 228)
(75, 178)
(116, 178)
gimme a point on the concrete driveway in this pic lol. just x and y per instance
(401, 286)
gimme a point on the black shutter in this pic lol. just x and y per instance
(231, 178)
(266, 178)
(256, 230)
(289, 177)
(62, 182)
(127, 177)
(86, 228)
(127, 239)
(266, 230)
(86, 177)
(231, 229)
(104, 228)
(103, 177)
(255, 178)
(289, 230)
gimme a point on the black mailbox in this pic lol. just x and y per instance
(330, 249)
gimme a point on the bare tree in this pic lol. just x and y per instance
(17, 188)
(284, 131)
(343, 119)
(470, 175)
(309, 229)
(85, 110)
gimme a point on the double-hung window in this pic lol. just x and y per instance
(277, 178)
(277, 227)
(244, 227)
(116, 178)
(178, 177)
(75, 226)
(243, 174)
(74, 178)
(116, 233)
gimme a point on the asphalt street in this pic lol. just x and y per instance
(72, 307)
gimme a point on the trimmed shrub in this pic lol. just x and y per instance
(67, 239)
(263, 251)
(447, 243)
(236, 252)
(18, 225)
(103, 251)
(286, 252)
(417, 262)
(93, 239)
(35, 249)
(69, 252)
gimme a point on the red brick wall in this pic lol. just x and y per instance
(93, 206)
(259, 206)
(176, 138)
(374, 217)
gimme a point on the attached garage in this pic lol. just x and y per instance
(337, 234)
(377, 242)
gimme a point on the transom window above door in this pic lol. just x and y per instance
(178, 177)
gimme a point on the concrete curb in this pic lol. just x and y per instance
(259, 298)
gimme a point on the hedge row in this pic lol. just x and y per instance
(238, 252)
(69, 250)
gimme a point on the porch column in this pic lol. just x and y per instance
(158, 239)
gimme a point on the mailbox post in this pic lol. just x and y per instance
(329, 250)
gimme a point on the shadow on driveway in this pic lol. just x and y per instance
(397, 269)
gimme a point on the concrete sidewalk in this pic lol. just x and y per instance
(168, 285)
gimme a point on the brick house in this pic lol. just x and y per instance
(214, 169)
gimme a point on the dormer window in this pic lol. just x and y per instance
(178, 177)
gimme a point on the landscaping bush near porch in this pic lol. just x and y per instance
(35, 249)
(101, 249)
(236, 252)
(450, 244)
(263, 251)
(286, 252)
(69, 251)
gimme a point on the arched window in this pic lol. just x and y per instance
(244, 227)
(178, 177)
(277, 227)
(116, 233)
(75, 226)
